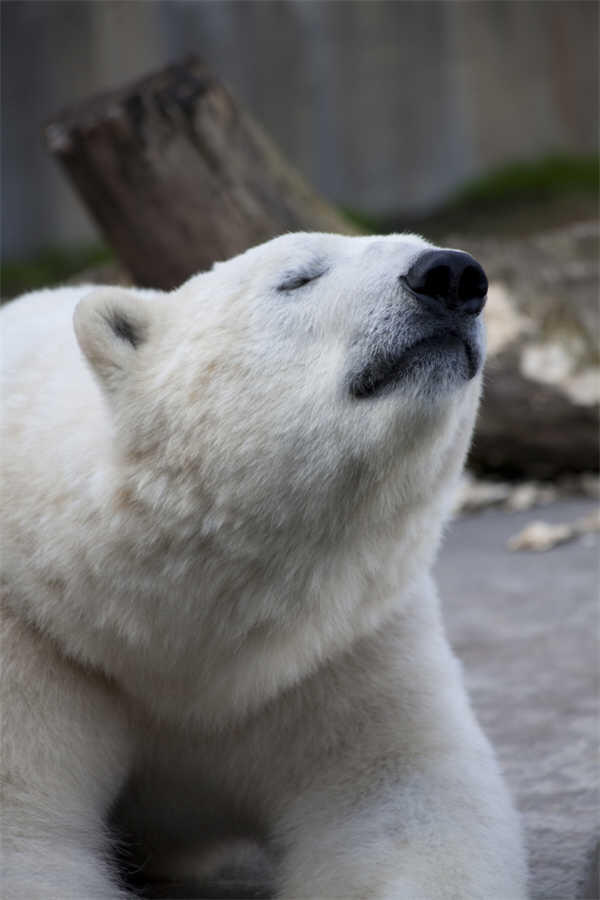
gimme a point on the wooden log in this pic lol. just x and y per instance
(177, 175)
(530, 429)
(541, 402)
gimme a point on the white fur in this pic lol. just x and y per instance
(216, 586)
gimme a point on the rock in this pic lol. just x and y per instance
(541, 535)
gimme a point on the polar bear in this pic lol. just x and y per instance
(221, 507)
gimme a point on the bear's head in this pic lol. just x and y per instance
(286, 433)
(310, 384)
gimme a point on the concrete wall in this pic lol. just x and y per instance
(386, 106)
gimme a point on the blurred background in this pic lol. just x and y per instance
(393, 110)
(475, 123)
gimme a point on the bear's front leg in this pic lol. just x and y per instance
(425, 835)
(380, 781)
(64, 757)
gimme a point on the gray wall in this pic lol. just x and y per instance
(386, 106)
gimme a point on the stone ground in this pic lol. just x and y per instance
(526, 626)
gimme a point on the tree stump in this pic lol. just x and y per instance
(177, 175)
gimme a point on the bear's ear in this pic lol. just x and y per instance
(111, 325)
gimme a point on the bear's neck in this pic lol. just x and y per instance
(223, 629)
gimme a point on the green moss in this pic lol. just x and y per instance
(49, 267)
(515, 199)
(522, 180)
(362, 221)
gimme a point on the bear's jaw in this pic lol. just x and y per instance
(452, 357)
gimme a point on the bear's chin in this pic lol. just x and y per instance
(448, 359)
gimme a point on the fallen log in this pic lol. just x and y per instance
(177, 175)
(540, 412)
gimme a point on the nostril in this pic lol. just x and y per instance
(436, 282)
(472, 284)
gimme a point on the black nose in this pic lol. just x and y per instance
(450, 277)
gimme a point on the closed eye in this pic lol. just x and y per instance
(298, 280)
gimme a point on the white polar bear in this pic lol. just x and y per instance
(220, 508)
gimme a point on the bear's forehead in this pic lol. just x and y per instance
(300, 247)
(342, 245)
